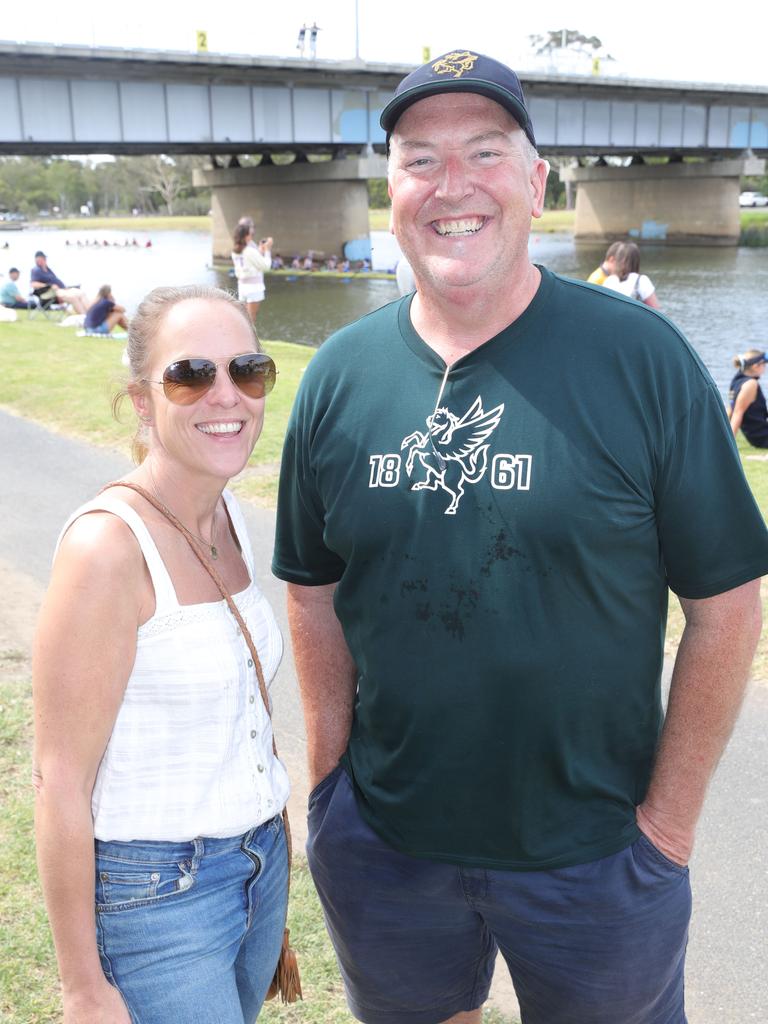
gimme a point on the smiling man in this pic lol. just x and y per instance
(488, 487)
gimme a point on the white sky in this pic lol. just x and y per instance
(679, 41)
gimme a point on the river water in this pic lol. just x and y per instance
(718, 296)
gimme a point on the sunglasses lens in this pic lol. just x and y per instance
(186, 381)
(254, 374)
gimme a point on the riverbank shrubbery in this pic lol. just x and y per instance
(754, 228)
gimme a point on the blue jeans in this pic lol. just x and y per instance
(416, 940)
(190, 933)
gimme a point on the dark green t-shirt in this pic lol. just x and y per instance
(503, 565)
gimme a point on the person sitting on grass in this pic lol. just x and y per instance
(748, 409)
(10, 295)
(105, 314)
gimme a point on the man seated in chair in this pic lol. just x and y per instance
(47, 286)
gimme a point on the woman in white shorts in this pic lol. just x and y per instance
(250, 260)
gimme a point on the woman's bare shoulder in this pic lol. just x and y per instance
(103, 542)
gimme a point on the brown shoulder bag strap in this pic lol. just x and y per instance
(286, 982)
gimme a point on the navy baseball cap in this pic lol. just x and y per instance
(460, 71)
(756, 360)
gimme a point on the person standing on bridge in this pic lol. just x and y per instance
(159, 793)
(251, 260)
(484, 499)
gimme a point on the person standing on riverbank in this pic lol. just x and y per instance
(251, 260)
(600, 274)
(161, 849)
(748, 410)
(478, 554)
(626, 277)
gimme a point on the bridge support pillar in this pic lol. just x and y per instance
(673, 204)
(304, 206)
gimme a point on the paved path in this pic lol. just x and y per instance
(44, 476)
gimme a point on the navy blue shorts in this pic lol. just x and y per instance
(416, 940)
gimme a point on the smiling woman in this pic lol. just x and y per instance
(152, 725)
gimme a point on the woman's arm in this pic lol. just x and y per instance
(652, 301)
(258, 258)
(84, 652)
(744, 399)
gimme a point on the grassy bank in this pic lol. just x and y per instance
(158, 223)
(378, 220)
(754, 223)
(754, 228)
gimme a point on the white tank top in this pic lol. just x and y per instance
(191, 750)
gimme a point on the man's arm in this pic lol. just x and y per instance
(327, 675)
(708, 685)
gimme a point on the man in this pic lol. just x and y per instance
(487, 488)
(601, 274)
(47, 285)
(10, 295)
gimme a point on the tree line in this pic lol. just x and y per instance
(62, 186)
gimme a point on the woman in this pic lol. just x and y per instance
(105, 314)
(601, 273)
(748, 410)
(155, 774)
(626, 277)
(250, 260)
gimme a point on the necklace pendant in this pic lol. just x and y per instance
(214, 552)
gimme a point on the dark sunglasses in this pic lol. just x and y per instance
(187, 380)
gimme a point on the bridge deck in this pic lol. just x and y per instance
(66, 99)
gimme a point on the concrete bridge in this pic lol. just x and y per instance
(68, 99)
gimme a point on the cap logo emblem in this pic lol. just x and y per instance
(455, 63)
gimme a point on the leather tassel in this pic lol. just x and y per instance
(286, 982)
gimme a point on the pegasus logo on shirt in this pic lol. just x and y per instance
(452, 451)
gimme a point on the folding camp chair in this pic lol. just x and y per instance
(45, 304)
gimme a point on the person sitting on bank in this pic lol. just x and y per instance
(47, 286)
(607, 267)
(748, 409)
(10, 295)
(627, 279)
(105, 314)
